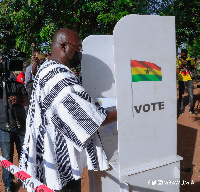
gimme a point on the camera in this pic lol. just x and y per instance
(42, 56)
(12, 60)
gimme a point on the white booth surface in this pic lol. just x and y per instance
(137, 67)
(98, 66)
(162, 179)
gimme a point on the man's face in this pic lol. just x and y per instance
(75, 45)
(184, 56)
(36, 53)
(73, 50)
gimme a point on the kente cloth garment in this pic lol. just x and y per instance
(61, 129)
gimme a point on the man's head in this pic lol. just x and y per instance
(66, 47)
(184, 54)
(36, 52)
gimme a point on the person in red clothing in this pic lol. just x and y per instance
(21, 77)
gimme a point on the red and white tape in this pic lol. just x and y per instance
(27, 179)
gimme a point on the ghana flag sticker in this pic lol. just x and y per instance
(145, 71)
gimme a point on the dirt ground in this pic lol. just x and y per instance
(188, 146)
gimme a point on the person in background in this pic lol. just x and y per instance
(21, 76)
(29, 77)
(12, 124)
(62, 123)
(185, 72)
(37, 64)
(14, 74)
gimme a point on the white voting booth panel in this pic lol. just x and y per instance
(98, 66)
(153, 124)
(99, 78)
(142, 152)
(162, 179)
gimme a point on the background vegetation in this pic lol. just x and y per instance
(23, 22)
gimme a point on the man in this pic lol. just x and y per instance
(29, 77)
(185, 68)
(62, 122)
(12, 124)
(41, 58)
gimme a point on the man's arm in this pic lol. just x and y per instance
(20, 97)
(179, 66)
(178, 71)
(24, 100)
(35, 64)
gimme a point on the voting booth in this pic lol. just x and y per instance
(134, 70)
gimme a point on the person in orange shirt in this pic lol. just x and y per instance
(185, 72)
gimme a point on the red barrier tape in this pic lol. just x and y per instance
(23, 176)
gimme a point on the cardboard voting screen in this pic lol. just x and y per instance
(98, 66)
(99, 82)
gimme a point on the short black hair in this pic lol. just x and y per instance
(184, 51)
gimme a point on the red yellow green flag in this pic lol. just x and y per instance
(145, 71)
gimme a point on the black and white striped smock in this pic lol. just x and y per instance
(61, 129)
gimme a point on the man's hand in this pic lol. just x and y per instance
(111, 117)
(184, 62)
(75, 72)
(13, 99)
(35, 64)
(16, 101)
(97, 104)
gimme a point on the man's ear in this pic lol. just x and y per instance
(64, 47)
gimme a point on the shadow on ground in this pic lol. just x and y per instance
(185, 148)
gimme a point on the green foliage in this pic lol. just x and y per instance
(35, 21)
(25, 22)
(194, 49)
(187, 14)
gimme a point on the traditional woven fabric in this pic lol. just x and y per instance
(62, 122)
